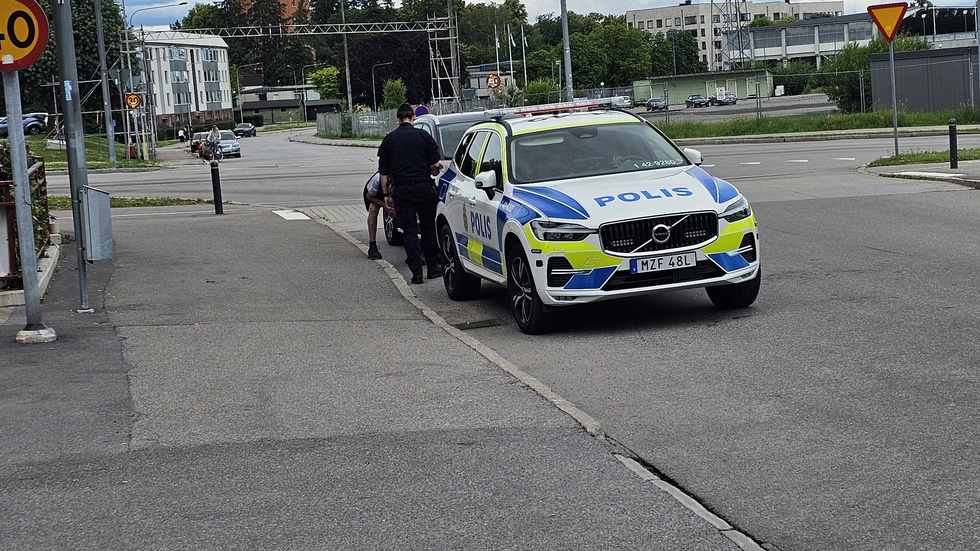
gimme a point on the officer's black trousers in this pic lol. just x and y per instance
(415, 213)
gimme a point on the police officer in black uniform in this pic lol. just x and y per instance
(407, 160)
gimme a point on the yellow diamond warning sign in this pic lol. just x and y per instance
(888, 17)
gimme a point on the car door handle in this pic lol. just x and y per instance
(472, 201)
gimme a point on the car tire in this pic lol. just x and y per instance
(392, 235)
(524, 300)
(459, 284)
(33, 130)
(739, 295)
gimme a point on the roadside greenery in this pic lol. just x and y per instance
(63, 202)
(926, 157)
(813, 123)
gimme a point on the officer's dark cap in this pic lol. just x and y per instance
(405, 111)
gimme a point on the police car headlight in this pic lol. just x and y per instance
(738, 211)
(557, 231)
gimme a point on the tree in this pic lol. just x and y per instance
(393, 94)
(842, 74)
(794, 77)
(589, 61)
(37, 95)
(326, 82)
(627, 52)
(540, 91)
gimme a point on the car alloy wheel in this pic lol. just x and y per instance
(392, 235)
(524, 300)
(459, 284)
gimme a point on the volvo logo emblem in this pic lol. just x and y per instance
(661, 233)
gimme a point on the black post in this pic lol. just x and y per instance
(953, 157)
(216, 188)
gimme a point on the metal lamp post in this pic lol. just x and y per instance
(130, 66)
(374, 89)
(303, 73)
(238, 73)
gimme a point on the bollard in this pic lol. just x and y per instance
(953, 157)
(216, 188)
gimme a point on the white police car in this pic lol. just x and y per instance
(566, 206)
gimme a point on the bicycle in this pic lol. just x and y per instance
(214, 152)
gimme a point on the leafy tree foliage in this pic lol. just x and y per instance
(627, 52)
(326, 82)
(394, 94)
(540, 91)
(681, 46)
(842, 74)
(37, 95)
(795, 77)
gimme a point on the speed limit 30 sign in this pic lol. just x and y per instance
(23, 33)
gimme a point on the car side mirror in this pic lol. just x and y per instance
(693, 155)
(486, 181)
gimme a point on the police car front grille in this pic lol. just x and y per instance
(690, 230)
(623, 279)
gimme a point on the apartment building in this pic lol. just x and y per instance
(187, 77)
(721, 28)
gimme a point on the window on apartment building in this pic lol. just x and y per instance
(702, 20)
(165, 75)
(806, 16)
(639, 24)
(717, 44)
(660, 23)
(745, 17)
(704, 58)
(702, 33)
(716, 18)
(668, 22)
(704, 45)
(629, 24)
(716, 31)
(718, 57)
(677, 21)
(649, 23)
(776, 16)
(690, 20)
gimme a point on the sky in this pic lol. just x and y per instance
(164, 13)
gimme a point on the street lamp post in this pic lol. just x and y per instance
(293, 70)
(129, 66)
(374, 89)
(303, 73)
(238, 73)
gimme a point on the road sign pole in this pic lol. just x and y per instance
(35, 331)
(891, 63)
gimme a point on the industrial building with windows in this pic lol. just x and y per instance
(721, 28)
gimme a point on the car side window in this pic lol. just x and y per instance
(468, 166)
(460, 153)
(493, 159)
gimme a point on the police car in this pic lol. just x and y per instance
(574, 203)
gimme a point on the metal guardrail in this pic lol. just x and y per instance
(10, 275)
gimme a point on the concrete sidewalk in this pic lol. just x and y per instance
(253, 381)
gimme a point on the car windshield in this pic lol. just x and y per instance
(227, 135)
(591, 150)
(451, 134)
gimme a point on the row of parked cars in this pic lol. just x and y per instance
(228, 142)
(694, 100)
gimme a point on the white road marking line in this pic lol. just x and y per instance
(798, 161)
(844, 158)
(751, 163)
(290, 215)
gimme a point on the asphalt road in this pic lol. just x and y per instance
(839, 412)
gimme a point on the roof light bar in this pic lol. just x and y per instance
(567, 106)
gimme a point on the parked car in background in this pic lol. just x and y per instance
(727, 98)
(656, 104)
(622, 102)
(34, 124)
(196, 143)
(696, 100)
(229, 144)
(245, 130)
